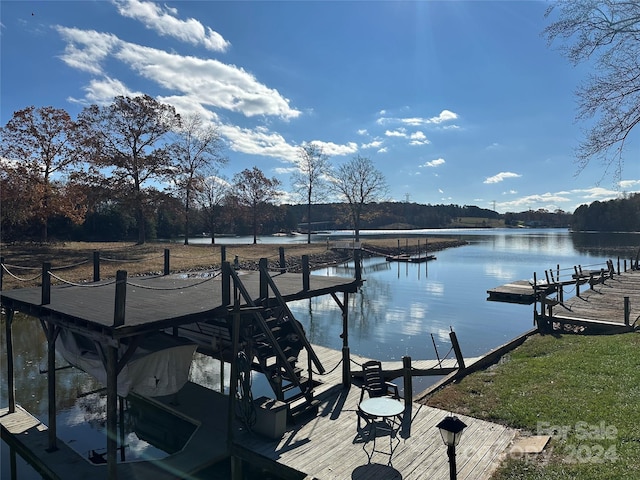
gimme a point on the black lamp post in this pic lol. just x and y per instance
(451, 431)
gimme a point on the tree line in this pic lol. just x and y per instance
(136, 166)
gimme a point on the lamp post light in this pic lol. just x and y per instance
(451, 430)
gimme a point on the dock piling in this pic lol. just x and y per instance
(166, 270)
(408, 381)
(96, 266)
(627, 310)
(121, 298)
(46, 283)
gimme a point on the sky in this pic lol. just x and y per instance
(455, 102)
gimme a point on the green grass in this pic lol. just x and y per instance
(583, 389)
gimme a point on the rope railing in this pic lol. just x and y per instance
(73, 265)
(124, 260)
(75, 284)
(4, 268)
(183, 287)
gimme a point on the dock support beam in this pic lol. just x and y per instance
(51, 331)
(346, 354)
(11, 393)
(112, 412)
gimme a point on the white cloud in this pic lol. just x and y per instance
(87, 49)
(334, 149)
(627, 184)
(164, 21)
(102, 92)
(373, 144)
(362, 131)
(205, 81)
(419, 138)
(383, 150)
(259, 142)
(501, 177)
(401, 132)
(434, 163)
(444, 116)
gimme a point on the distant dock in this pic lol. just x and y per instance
(406, 258)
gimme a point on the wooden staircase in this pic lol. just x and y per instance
(274, 340)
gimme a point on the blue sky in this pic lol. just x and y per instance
(455, 102)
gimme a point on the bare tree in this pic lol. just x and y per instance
(211, 197)
(358, 182)
(254, 190)
(607, 31)
(126, 137)
(309, 180)
(40, 150)
(196, 149)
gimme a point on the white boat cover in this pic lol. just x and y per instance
(160, 365)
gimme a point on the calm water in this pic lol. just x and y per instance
(396, 313)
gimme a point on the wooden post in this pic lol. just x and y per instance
(618, 265)
(96, 266)
(233, 381)
(456, 349)
(223, 254)
(305, 273)
(283, 264)
(625, 265)
(1, 271)
(358, 265)
(51, 332)
(264, 283)
(11, 389)
(408, 381)
(121, 298)
(112, 411)
(166, 261)
(627, 310)
(46, 284)
(346, 354)
(226, 283)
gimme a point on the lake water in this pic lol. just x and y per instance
(399, 310)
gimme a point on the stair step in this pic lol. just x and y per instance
(303, 409)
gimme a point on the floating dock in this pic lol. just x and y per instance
(520, 291)
(406, 258)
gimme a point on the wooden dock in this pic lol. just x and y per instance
(600, 307)
(326, 446)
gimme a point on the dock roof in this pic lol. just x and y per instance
(156, 302)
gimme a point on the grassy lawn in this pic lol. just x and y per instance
(583, 390)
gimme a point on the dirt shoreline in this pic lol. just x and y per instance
(73, 261)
